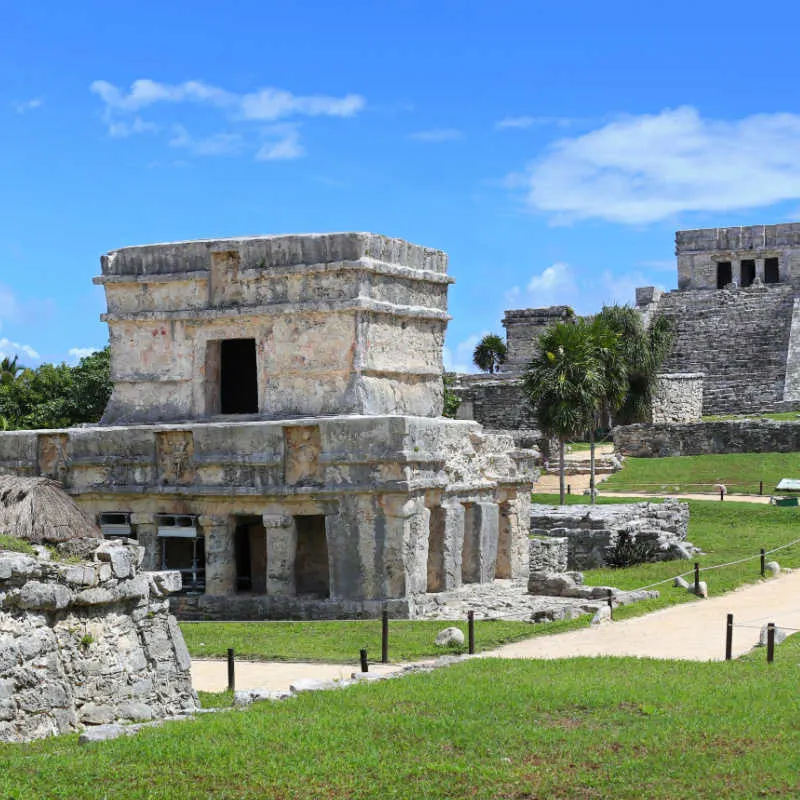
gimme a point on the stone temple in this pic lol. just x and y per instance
(274, 431)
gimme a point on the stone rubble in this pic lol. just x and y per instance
(87, 644)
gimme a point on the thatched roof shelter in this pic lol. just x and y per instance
(40, 511)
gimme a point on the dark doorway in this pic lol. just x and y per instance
(237, 378)
(187, 555)
(312, 570)
(771, 274)
(250, 545)
(724, 274)
(748, 272)
(436, 532)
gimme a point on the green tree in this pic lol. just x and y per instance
(643, 351)
(9, 369)
(489, 353)
(564, 384)
(56, 395)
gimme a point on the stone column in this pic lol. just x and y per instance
(481, 524)
(401, 544)
(281, 552)
(220, 555)
(452, 520)
(760, 269)
(144, 527)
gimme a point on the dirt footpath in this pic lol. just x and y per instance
(693, 631)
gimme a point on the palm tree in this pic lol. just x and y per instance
(643, 351)
(564, 384)
(489, 353)
(9, 369)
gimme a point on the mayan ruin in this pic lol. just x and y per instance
(275, 431)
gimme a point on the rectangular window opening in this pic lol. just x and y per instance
(771, 273)
(238, 381)
(116, 524)
(250, 545)
(183, 549)
(312, 567)
(748, 272)
(724, 274)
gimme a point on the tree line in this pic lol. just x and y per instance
(54, 395)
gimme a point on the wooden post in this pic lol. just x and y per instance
(610, 604)
(364, 665)
(729, 638)
(770, 642)
(761, 487)
(721, 493)
(763, 563)
(569, 488)
(385, 637)
(697, 578)
(231, 671)
(471, 632)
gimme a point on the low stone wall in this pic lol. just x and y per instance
(593, 532)
(495, 401)
(87, 643)
(702, 438)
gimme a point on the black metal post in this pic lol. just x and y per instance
(364, 665)
(231, 670)
(385, 637)
(721, 493)
(761, 487)
(729, 638)
(569, 488)
(697, 577)
(763, 563)
(770, 642)
(471, 632)
(611, 604)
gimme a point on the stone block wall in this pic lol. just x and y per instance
(495, 401)
(592, 531)
(738, 338)
(707, 438)
(523, 328)
(678, 398)
(87, 643)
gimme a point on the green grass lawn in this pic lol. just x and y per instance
(740, 472)
(578, 728)
(726, 532)
(338, 642)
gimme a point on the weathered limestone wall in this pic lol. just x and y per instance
(404, 501)
(678, 398)
(87, 643)
(699, 251)
(738, 338)
(495, 401)
(342, 323)
(593, 531)
(549, 554)
(523, 328)
(703, 438)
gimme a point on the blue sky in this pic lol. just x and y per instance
(552, 149)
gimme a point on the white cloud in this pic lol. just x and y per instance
(554, 285)
(285, 148)
(267, 104)
(77, 353)
(218, 144)
(9, 306)
(640, 169)
(9, 349)
(27, 105)
(460, 360)
(532, 122)
(437, 135)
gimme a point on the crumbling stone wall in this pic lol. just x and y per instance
(592, 532)
(496, 402)
(707, 438)
(87, 642)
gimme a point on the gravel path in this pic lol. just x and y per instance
(692, 631)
